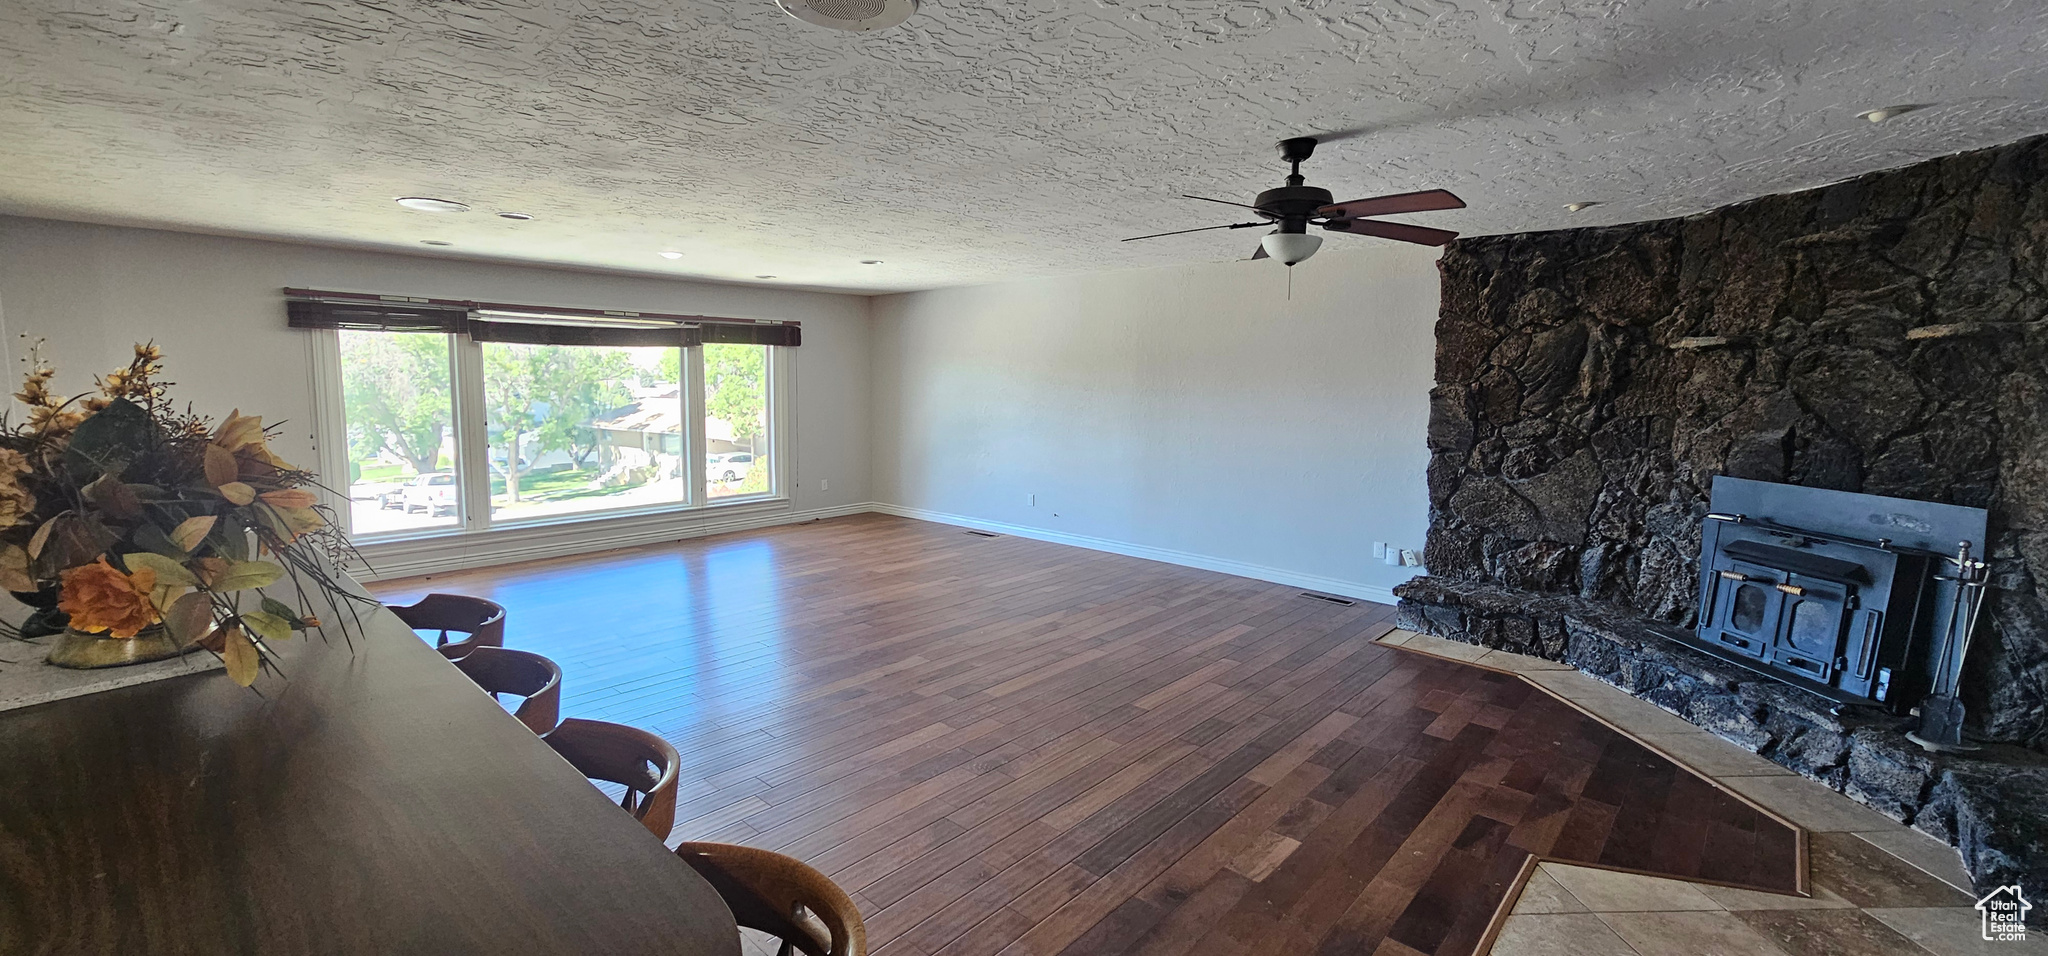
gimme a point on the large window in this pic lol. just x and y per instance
(465, 426)
(400, 416)
(736, 439)
(583, 428)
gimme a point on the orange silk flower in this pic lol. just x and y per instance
(100, 598)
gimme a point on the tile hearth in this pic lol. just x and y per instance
(1877, 887)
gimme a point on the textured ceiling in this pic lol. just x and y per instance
(982, 140)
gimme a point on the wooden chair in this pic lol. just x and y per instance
(644, 763)
(501, 670)
(483, 621)
(771, 892)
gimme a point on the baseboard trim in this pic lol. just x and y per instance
(1312, 582)
(402, 559)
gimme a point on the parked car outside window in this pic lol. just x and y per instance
(433, 493)
(732, 467)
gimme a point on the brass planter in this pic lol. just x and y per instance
(82, 651)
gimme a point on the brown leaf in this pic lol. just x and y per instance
(215, 640)
(254, 469)
(42, 537)
(77, 539)
(113, 497)
(191, 531)
(290, 498)
(238, 430)
(294, 523)
(190, 617)
(238, 492)
(221, 467)
(211, 570)
(241, 655)
(14, 574)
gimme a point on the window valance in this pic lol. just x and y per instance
(528, 324)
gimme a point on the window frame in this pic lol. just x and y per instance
(775, 373)
(472, 470)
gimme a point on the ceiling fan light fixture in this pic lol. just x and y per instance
(1291, 247)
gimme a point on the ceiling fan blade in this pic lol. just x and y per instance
(1234, 225)
(1339, 135)
(1223, 201)
(1261, 254)
(1399, 231)
(1428, 200)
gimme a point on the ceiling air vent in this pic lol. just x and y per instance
(856, 16)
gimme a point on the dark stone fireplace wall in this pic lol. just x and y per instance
(1888, 335)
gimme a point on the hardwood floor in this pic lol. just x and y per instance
(999, 745)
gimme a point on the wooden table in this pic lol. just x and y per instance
(373, 802)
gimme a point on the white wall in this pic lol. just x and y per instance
(1192, 414)
(215, 306)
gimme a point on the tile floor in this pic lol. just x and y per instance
(1878, 887)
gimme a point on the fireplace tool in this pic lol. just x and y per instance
(1941, 714)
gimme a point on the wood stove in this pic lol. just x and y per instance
(1858, 598)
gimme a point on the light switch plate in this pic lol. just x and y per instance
(1379, 550)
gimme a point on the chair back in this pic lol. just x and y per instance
(502, 670)
(481, 622)
(643, 763)
(770, 892)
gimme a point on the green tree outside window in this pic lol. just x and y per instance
(395, 396)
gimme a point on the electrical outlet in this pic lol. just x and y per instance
(1392, 556)
(1410, 559)
(1379, 550)
(824, 485)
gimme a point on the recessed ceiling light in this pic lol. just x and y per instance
(855, 16)
(670, 255)
(871, 262)
(1883, 113)
(436, 242)
(1576, 206)
(423, 204)
(516, 216)
(764, 277)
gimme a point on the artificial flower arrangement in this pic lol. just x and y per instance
(123, 519)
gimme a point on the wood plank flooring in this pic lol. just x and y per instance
(1003, 746)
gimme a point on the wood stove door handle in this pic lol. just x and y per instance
(1792, 589)
(1735, 575)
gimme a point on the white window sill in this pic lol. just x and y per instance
(764, 502)
(446, 550)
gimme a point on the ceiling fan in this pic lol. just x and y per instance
(1294, 207)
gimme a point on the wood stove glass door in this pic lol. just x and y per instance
(1811, 639)
(1746, 608)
